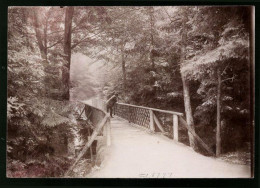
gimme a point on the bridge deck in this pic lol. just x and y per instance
(135, 153)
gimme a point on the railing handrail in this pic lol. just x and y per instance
(148, 108)
(94, 107)
(153, 109)
(153, 121)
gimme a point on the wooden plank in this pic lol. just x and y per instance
(91, 153)
(88, 144)
(157, 122)
(205, 146)
(153, 109)
(97, 138)
(151, 121)
(81, 112)
(218, 129)
(108, 132)
(129, 114)
(175, 128)
(89, 115)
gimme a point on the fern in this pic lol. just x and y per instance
(53, 119)
(14, 108)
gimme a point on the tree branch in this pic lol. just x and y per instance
(59, 41)
(84, 40)
(232, 78)
(170, 18)
(225, 69)
(55, 32)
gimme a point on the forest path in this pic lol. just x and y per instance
(136, 153)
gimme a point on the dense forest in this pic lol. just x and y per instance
(195, 60)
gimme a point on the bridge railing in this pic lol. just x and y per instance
(96, 119)
(157, 120)
(147, 118)
(170, 123)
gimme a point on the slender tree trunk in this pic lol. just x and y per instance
(40, 40)
(186, 90)
(151, 15)
(67, 34)
(67, 51)
(188, 111)
(123, 66)
(45, 37)
(218, 136)
(28, 44)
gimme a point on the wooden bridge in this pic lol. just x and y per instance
(146, 142)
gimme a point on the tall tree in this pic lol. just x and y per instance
(46, 23)
(67, 50)
(83, 28)
(120, 36)
(186, 91)
(41, 40)
(152, 22)
(35, 120)
(180, 20)
(221, 49)
(218, 136)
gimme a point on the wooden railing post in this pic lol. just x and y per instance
(108, 132)
(151, 120)
(157, 122)
(91, 152)
(129, 114)
(175, 127)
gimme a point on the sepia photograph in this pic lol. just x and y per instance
(130, 92)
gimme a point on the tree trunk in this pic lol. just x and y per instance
(40, 40)
(188, 111)
(67, 51)
(123, 67)
(151, 15)
(218, 137)
(186, 90)
(45, 38)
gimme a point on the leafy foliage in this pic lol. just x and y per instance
(46, 167)
(217, 37)
(39, 123)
